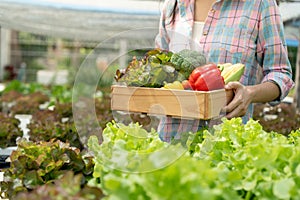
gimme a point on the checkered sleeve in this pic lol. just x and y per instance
(272, 50)
(162, 40)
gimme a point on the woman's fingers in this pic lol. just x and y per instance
(237, 107)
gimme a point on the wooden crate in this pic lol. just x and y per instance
(176, 103)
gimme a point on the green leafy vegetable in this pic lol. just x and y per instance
(230, 161)
(152, 71)
(68, 188)
(28, 104)
(262, 162)
(60, 94)
(35, 164)
(185, 61)
(183, 178)
(23, 88)
(9, 131)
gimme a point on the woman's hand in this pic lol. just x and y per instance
(238, 106)
(244, 95)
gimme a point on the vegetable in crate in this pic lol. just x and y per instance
(206, 78)
(186, 85)
(175, 85)
(151, 71)
(185, 61)
(231, 72)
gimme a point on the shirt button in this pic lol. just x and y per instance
(212, 10)
(205, 33)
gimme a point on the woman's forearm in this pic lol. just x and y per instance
(264, 92)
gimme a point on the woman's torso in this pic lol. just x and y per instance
(229, 34)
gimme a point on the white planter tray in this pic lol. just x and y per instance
(7, 151)
(25, 120)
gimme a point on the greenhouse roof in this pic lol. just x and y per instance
(115, 6)
(77, 19)
(93, 19)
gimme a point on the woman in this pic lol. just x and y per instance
(235, 31)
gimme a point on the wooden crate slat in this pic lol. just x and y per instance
(176, 103)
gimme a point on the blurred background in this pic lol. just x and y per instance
(47, 36)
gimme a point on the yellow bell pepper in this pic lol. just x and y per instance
(175, 85)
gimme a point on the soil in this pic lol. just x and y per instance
(282, 118)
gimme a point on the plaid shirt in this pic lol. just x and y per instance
(235, 31)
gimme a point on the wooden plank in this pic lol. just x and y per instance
(176, 103)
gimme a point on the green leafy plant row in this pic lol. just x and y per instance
(36, 164)
(231, 161)
(56, 93)
(9, 131)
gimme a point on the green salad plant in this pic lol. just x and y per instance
(125, 153)
(9, 131)
(36, 164)
(68, 187)
(232, 160)
(265, 164)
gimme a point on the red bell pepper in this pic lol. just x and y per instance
(206, 78)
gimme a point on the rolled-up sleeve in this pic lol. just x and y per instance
(272, 51)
